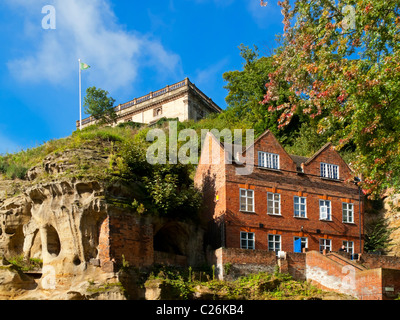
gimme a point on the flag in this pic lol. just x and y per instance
(84, 66)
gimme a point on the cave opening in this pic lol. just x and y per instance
(172, 239)
(53, 241)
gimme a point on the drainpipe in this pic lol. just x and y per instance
(223, 244)
(357, 181)
(359, 215)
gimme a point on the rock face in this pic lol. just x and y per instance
(58, 222)
(391, 211)
(81, 237)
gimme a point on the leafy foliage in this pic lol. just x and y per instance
(169, 189)
(99, 105)
(378, 236)
(12, 170)
(346, 77)
(246, 89)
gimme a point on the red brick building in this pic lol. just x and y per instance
(286, 203)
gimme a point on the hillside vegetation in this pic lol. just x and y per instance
(188, 284)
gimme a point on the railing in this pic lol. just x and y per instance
(152, 95)
(158, 93)
(142, 99)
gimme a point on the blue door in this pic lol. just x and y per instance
(297, 245)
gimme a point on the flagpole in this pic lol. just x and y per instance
(80, 95)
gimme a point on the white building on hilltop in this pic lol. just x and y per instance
(182, 100)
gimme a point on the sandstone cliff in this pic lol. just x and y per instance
(54, 217)
(75, 217)
(391, 212)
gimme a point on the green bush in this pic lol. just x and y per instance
(12, 170)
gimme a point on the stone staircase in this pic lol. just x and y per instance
(335, 272)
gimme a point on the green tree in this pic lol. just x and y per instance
(341, 60)
(245, 90)
(99, 105)
(378, 236)
(169, 190)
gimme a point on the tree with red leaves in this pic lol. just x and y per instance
(342, 63)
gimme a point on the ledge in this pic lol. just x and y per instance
(270, 169)
(248, 212)
(331, 179)
(274, 215)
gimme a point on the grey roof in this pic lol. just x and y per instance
(299, 160)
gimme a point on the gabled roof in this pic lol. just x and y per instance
(262, 136)
(230, 146)
(326, 146)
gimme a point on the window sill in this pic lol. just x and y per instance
(349, 222)
(269, 169)
(274, 214)
(330, 179)
(306, 218)
(326, 220)
(250, 212)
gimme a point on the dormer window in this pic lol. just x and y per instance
(330, 171)
(268, 160)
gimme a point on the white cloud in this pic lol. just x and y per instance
(88, 30)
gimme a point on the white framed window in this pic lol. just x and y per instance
(274, 242)
(246, 200)
(325, 244)
(247, 240)
(330, 171)
(347, 212)
(268, 160)
(349, 246)
(325, 210)
(273, 203)
(300, 207)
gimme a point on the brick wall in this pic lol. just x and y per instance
(296, 264)
(125, 235)
(331, 272)
(133, 238)
(221, 187)
(365, 284)
(210, 178)
(242, 262)
(267, 142)
(390, 283)
(379, 261)
(286, 224)
(290, 183)
(327, 155)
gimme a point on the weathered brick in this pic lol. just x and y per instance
(221, 186)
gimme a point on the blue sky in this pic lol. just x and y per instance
(133, 47)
